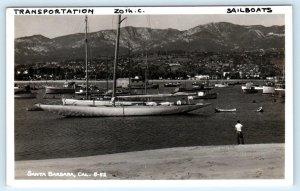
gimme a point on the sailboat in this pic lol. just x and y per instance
(118, 110)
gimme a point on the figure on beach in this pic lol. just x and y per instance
(239, 133)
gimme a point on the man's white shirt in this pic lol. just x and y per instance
(238, 127)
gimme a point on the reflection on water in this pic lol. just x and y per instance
(41, 135)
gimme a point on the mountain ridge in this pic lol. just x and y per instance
(211, 37)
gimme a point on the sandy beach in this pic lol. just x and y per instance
(256, 161)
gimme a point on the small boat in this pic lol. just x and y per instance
(204, 95)
(24, 93)
(249, 88)
(120, 111)
(256, 87)
(225, 110)
(260, 109)
(191, 90)
(81, 90)
(67, 88)
(222, 85)
(202, 85)
(199, 85)
(280, 86)
(269, 88)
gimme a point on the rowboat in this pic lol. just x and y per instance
(120, 111)
(260, 109)
(225, 110)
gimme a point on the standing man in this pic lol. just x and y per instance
(238, 128)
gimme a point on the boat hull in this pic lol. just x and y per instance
(225, 110)
(268, 89)
(250, 91)
(119, 111)
(25, 96)
(58, 90)
(207, 96)
(221, 85)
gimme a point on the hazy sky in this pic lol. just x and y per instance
(53, 26)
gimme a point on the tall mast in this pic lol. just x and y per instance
(107, 74)
(86, 59)
(146, 72)
(116, 60)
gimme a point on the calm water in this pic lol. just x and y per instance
(43, 135)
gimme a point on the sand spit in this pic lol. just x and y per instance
(257, 161)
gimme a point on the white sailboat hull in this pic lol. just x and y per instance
(119, 111)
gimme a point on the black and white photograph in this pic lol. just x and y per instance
(150, 93)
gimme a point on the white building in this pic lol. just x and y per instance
(202, 77)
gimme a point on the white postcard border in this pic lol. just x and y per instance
(287, 181)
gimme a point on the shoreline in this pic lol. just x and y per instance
(154, 80)
(254, 161)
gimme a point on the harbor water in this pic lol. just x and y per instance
(43, 135)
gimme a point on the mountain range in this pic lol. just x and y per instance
(212, 37)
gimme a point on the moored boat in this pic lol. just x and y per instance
(67, 88)
(280, 86)
(24, 93)
(92, 89)
(225, 110)
(249, 88)
(260, 109)
(222, 85)
(204, 95)
(191, 90)
(269, 88)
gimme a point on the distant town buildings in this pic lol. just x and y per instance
(195, 65)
